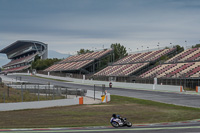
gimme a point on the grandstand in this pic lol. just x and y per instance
(81, 64)
(22, 53)
(185, 64)
(134, 63)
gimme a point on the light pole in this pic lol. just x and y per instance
(130, 49)
(170, 44)
(158, 45)
(185, 44)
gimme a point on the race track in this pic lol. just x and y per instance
(165, 97)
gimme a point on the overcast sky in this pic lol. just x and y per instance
(69, 25)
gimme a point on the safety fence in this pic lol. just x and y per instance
(45, 97)
(36, 92)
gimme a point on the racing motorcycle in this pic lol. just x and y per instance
(119, 122)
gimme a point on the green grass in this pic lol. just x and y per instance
(136, 110)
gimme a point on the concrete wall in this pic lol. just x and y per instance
(37, 104)
(168, 88)
(49, 103)
(98, 94)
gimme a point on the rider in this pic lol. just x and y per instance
(114, 116)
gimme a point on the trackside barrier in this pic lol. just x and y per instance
(38, 104)
(98, 95)
(105, 98)
(50, 103)
(81, 100)
(197, 89)
(181, 89)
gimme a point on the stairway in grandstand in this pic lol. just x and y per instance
(185, 64)
(134, 63)
(84, 63)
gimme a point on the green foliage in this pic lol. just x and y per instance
(119, 51)
(179, 48)
(84, 51)
(39, 64)
(37, 58)
(164, 57)
(196, 46)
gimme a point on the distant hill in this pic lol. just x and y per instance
(54, 54)
(3, 60)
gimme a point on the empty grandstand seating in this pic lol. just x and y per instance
(132, 63)
(144, 57)
(16, 69)
(68, 66)
(20, 60)
(192, 54)
(185, 64)
(77, 62)
(120, 70)
(174, 70)
(87, 56)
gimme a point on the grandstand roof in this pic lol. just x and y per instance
(19, 43)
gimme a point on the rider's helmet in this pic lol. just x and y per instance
(118, 116)
(114, 115)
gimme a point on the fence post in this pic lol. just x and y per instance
(4, 97)
(38, 92)
(76, 92)
(66, 93)
(53, 92)
(57, 92)
(94, 92)
(8, 92)
(22, 91)
(46, 91)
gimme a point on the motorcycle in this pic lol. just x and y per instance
(120, 122)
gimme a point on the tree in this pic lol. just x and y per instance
(43, 64)
(119, 51)
(84, 51)
(179, 48)
(37, 57)
(196, 46)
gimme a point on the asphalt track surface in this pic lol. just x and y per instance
(183, 128)
(165, 97)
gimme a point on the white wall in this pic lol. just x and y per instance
(98, 94)
(37, 104)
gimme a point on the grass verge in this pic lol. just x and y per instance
(136, 110)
